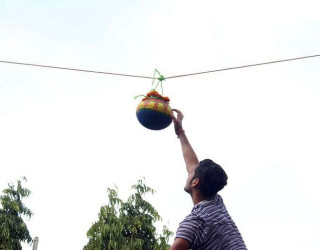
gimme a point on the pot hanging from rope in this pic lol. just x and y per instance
(154, 111)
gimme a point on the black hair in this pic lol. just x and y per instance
(212, 178)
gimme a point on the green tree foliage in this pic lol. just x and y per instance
(128, 225)
(13, 229)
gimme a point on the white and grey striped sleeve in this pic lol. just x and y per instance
(190, 229)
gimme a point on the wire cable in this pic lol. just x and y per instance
(244, 66)
(164, 78)
(74, 69)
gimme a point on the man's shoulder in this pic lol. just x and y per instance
(205, 210)
(215, 201)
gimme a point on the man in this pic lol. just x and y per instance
(209, 226)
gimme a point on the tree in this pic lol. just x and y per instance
(13, 230)
(128, 225)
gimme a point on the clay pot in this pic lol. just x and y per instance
(154, 113)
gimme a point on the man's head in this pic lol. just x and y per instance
(209, 177)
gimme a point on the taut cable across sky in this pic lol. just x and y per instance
(148, 77)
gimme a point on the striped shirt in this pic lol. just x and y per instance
(210, 227)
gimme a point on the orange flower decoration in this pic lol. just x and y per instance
(155, 94)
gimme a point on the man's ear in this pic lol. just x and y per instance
(195, 182)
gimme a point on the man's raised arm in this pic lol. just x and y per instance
(189, 155)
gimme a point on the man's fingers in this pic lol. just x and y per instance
(179, 114)
(176, 110)
(172, 116)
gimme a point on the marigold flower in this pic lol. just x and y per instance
(155, 94)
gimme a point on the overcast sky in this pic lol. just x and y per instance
(75, 134)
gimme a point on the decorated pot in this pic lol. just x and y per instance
(154, 111)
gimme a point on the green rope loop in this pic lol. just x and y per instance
(160, 79)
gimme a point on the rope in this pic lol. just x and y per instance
(81, 70)
(244, 66)
(161, 78)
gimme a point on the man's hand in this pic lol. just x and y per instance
(177, 121)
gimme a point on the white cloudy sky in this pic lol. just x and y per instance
(75, 134)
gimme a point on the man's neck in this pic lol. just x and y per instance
(197, 198)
